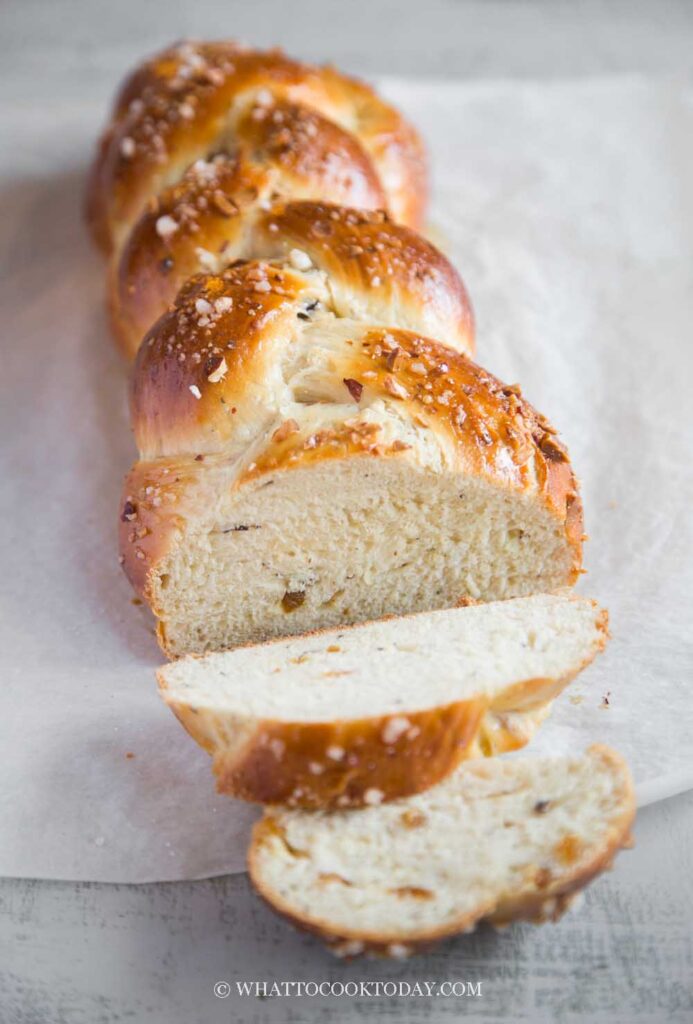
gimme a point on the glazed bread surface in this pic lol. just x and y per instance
(498, 840)
(382, 710)
(303, 468)
(316, 447)
(205, 136)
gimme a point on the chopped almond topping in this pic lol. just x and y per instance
(223, 204)
(395, 358)
(219, 371)
(394, 728)
(354, 387)
(553, 451)
(300, 260)
(286, 429)
(394, 388)
(129, 512)
(166, 226)
(207, 259)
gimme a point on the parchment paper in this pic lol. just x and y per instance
(568, 208)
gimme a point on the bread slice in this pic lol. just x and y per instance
(385, 709)
(499, 840)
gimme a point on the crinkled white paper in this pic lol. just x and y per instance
(568, 207)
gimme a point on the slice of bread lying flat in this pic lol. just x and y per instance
(499, 840)
(381, 710)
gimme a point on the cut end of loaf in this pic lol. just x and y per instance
(500, 840)
(344, 541)
(344, 474)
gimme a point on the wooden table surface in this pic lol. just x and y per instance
(87, 953)
(105, 954)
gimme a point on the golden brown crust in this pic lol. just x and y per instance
(175, 109)
(395, 147)
(152, 514)
(208, 210)
(371, 263)
(542, 898)
(266, 304)
(196, 387)
(396, 275)
(209, 214)
(324, 764)
(344, 764)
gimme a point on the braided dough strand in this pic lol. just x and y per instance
(203, 136)
(316, 446)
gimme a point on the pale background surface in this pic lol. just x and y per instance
(90, 953)
(538, 187)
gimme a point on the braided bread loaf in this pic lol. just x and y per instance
(204, 136)
(309, 456)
